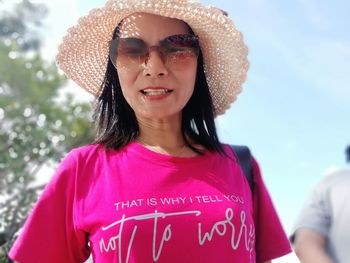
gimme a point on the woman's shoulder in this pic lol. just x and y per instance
(89, 151)
(85, 150)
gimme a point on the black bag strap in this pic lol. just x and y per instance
(245, 160)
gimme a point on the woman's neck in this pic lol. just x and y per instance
(164, 133)
(163, 136)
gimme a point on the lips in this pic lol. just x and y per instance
(155, 91)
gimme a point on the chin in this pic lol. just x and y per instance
(160, 114)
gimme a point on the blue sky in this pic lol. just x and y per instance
(293, 112)
(295, 106)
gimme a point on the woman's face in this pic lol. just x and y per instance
(156, 85)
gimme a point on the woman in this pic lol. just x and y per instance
(157, 185)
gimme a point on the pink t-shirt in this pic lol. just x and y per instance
(135, 205)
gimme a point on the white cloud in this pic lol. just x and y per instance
(80, 95)
(62, 15)
(319, 62)
(305, 40)
(315, 13)
(325, 64)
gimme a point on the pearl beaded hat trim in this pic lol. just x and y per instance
(84, 52)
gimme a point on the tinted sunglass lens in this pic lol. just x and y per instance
(179, 50)
(128, 51)
(176, 51)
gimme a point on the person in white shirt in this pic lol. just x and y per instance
(322, 232)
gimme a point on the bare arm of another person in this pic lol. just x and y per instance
(310, 247)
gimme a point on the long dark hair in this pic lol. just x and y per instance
(117, 124)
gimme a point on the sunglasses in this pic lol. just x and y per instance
(175, 51)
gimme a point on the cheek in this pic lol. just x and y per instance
(189, 79)
(193, 75)
(127, 80)
(192, 72)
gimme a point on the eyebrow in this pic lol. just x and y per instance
(136, 38)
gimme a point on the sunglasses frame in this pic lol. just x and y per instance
(169, 47)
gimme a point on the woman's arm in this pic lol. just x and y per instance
(310, 247)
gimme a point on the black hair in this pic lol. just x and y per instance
(347, 153)
(117, 124)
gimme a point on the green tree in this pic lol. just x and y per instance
(37, 126)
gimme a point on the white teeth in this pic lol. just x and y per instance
(155, 92)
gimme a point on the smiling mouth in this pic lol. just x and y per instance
(155, 92)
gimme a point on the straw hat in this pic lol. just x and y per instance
(84, 53)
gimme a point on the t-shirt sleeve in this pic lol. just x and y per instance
(315, 213)
(50, 233)
(271, 240)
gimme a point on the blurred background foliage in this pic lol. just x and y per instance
(38, 125)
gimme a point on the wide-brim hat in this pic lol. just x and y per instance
(84, 53)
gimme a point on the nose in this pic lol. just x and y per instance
(154, 65)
